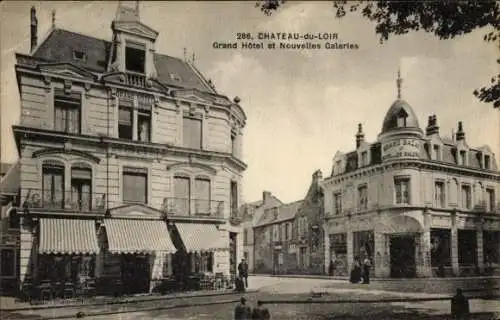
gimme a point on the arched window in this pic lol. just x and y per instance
(81, 187)
(401, 118)
(52, 184)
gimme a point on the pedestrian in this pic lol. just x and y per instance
(243, 271)
(366, 270)
(242, 311)
(356, 271)
(459, 306)
(260, 312)
(239, 286)
(331, 268)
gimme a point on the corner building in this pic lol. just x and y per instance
(416, 203)
(130, 163)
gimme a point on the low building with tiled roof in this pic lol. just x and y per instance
(413, 202)
(131, 162)
(251, 213)
(288, 238)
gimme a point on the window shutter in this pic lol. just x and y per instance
(134, 187)
(81, 173)
(125, 116)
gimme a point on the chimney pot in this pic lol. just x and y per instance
(360, 136)
(33, 29)
(460, 135)
(266, 196)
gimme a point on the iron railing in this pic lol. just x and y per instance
(193, 207)
(68, 200)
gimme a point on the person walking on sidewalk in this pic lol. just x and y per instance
(242, 311)
(366, 270)
(243, 271)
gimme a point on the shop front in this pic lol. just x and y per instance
(66, 255)
(202, 263)
(136, 255)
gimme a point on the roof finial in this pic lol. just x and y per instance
(399, 81)
(53, 18)
(184, 52)
(137, 9)
(193, 58)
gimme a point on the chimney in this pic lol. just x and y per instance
(460, 135)
(266, 196)
(360, 136)
(34, 29)
(317, 176)
(432, 127)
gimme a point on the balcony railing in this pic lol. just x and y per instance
(135, 79)
(194, 207)
(64, 200)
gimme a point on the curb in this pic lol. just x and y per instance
(125, 301)
(303, 276)
(177, 306)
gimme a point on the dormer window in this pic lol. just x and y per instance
(435, 152)
(487, 163)
(401, 118)
(463, 157)
(135, 57)
(79, 55)
(364, 158)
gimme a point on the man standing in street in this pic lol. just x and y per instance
(243, 271)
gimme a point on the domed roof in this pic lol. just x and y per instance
(400, 110)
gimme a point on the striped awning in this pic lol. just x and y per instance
(67, 236)
(199, 237)
(137, 236)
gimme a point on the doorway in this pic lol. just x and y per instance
(402, 255)
(135, 273)
(233, 263)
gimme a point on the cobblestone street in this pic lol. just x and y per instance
(299, 289)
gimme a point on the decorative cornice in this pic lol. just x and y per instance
(65, 150)
(417, 164)
(202, 166)
(155, 148)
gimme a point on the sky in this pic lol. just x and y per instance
(302, 106)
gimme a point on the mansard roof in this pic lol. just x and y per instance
(60, 45)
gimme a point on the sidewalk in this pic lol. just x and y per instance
(10, 303)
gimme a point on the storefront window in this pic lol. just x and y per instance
(440, 247)
(7, 260)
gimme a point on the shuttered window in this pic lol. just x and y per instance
(125, 122)
(191, 133)
(53, 186)
(202, 197)
(182, 192)
(135, 185)
(81, 188)
(67, 109)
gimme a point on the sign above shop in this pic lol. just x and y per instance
(400, 148)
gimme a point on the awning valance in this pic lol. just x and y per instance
(137, 236)
(67, 236)
(398, 225)
(199, 237)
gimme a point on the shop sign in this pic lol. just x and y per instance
(400, 148)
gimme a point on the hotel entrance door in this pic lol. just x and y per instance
(402, 253)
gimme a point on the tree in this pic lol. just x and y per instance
(445, 19)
